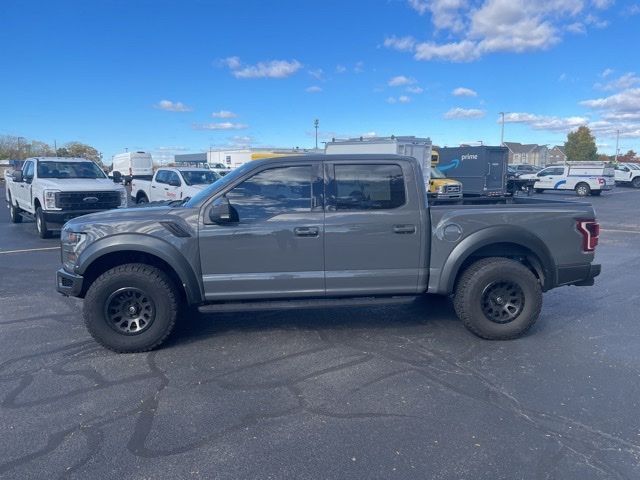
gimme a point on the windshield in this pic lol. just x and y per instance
(195, 177)
(634, 166)
(220, 183)
(69, 170)
(435, 173)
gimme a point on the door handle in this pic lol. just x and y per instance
(404, 229)
(306, 231)
(153, 186)
(166, 188)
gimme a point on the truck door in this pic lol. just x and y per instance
(156, 188)
(373, 237)
(273, 246)
(173, 186)
(23, 189)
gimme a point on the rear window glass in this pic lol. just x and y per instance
(369, 187)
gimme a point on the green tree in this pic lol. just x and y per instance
(581, 145)
(77, 149)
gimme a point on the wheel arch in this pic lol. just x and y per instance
(110, 252)
(505, 241)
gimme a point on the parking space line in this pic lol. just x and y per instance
(29, 250)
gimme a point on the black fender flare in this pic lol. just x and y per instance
(150, 245)
(492, 235)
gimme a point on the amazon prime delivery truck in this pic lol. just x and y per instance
(481, 169)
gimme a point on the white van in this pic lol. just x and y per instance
(133, 165)
(585, 178)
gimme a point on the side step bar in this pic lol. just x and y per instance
(304, 303)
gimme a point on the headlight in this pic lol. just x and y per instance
(50, 199)
(442, 188)
(72, 245)
(123, 199)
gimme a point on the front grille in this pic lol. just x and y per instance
(87, 200)
(66, 282)
(453, 189)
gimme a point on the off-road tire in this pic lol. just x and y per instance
(41, 224)
(583, 189)
(14, 212)
(148, 279)
(482, 275)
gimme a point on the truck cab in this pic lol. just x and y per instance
(169, 184)
(628, 174)
(54, 190)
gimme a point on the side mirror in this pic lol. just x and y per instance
(174, 182)
(223, 213)
(17, 176)
(117, 177)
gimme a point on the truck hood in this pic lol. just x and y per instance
(79, 184)
(126, 218)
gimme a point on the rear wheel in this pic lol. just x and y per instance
(131, 308)
(582, 189)
(636, 182)
(14, 212)
(41, 224)
(142, 199)
(498, 298)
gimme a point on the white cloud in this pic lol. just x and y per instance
(359, 67)
(414, 89)
(402, 44)
(625, 101)
(369, 134)
(546, 122)
(341, 69)
(318, 74)
(464, 92)
(464, 113)
(404, 99)
(633, 9)
(240, 140)
(606, 72)
(224, 114)
(170, 106)
(313, 89)
(392, 100)
(219, 126)
(478, 28)
(623, 82)
(266, 69)
(400, 81)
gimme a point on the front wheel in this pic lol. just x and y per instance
(142, 199)
(635, 183)
(582, 189)
(41, 224)
(498, 298)
(131, 308)
(14, 212)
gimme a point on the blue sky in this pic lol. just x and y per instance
(178, 76)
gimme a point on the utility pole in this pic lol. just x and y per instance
(55, 147)
(502, 132)
(316, 124)
(617, 140)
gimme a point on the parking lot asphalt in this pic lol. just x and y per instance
(398, 391)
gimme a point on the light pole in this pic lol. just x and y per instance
(502, 131)
(617, 141)
(316, 124)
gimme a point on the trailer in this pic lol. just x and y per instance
(481, 169)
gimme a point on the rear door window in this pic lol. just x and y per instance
(161, 176)
(369, 187)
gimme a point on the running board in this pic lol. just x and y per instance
(304, 303)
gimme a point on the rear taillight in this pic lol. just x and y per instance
(590, 230)
(602, 181)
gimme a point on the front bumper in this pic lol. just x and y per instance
(69, 284)
(578, 275)
(60, 217)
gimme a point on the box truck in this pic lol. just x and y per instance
(481, 169)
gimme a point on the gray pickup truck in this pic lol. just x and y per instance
(314, 230)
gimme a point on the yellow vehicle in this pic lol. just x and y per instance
(439, 185)
(442, 187)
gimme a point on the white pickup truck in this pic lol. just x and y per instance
(628, 173)
(585, 178)
(172, 184)
(54, 190)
